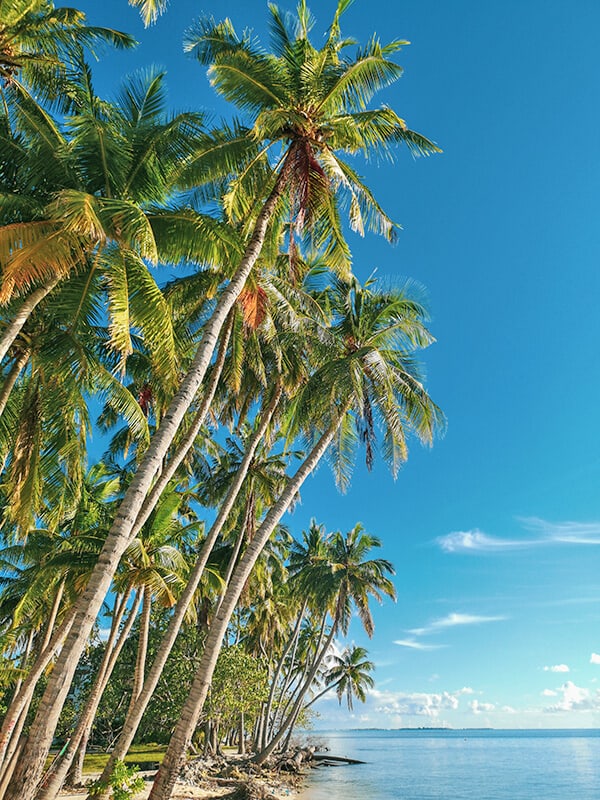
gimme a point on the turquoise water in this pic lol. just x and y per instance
(460, 765)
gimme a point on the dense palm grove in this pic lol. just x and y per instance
(186, 294)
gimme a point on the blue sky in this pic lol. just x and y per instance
(495, 532)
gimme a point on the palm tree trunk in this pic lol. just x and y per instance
(167, 774)
(23, 699)
(24, 658)
(291, 718)
(142, 650)
(262, 742)
(31, 763)
(135, 712)
(299, 682)
(189, 438)
(11, 379)
(22, 315)
(52, 783)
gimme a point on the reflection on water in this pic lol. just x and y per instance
(460, 765)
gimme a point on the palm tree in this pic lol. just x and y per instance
(349, 675)
(310, 177)
(51, 567)
(38, 40)
(373, 377)
(155, 568)
(345, 582)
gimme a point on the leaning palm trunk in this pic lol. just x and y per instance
(22, 700)
(11, 379)
(14, 327)
(167, 774)
(262, 741)
(8, 761)
(78, 743)
(136, 711)
(290, 720)
(189, 438)
(142, 650)
(54, 613)
(31, 763)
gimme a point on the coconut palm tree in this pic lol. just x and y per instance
(349, 674)
(343, 582)
(155, 568)
(373, 378)
(37, 42)
(309, 177)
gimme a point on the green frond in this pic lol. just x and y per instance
(123, 403)
(207, 40)
(149, 9)
(142, 99)
(355, 84)
(150, 314)
(184, 235)
(250, 81)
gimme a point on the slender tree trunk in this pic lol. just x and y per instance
(23, 314)
(242, 736)
(22, 701)
(53, 614)
(169, 469)
(167, 774)
(262, 741)
(11, 379)
(31, 762)
(24, 659)
(12, 753)
(136, 711)
(142, 650)
(52, 782)
(290, 720)
(299, 682)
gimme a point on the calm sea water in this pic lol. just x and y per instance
(460, 765)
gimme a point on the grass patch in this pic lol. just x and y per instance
(146, 756)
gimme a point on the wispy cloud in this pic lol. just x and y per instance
(557, 668)
(413, 644)
(595, 658)
(563, 532)
(476, 541)
(544, 533)
(453, 620)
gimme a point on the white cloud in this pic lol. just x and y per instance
(569, 532)
(549, 693)
(103, 634)
(414, 645)
(557, 668)
(481, 708)
(474, 541)
(545, 533)
(419, 704)
(595, 658)
(575, 698)
(451, 621)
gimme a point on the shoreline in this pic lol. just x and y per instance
(231, 777)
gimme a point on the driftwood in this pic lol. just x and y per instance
(327, 760)
(248, 781)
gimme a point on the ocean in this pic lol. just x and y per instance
(459, 765)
